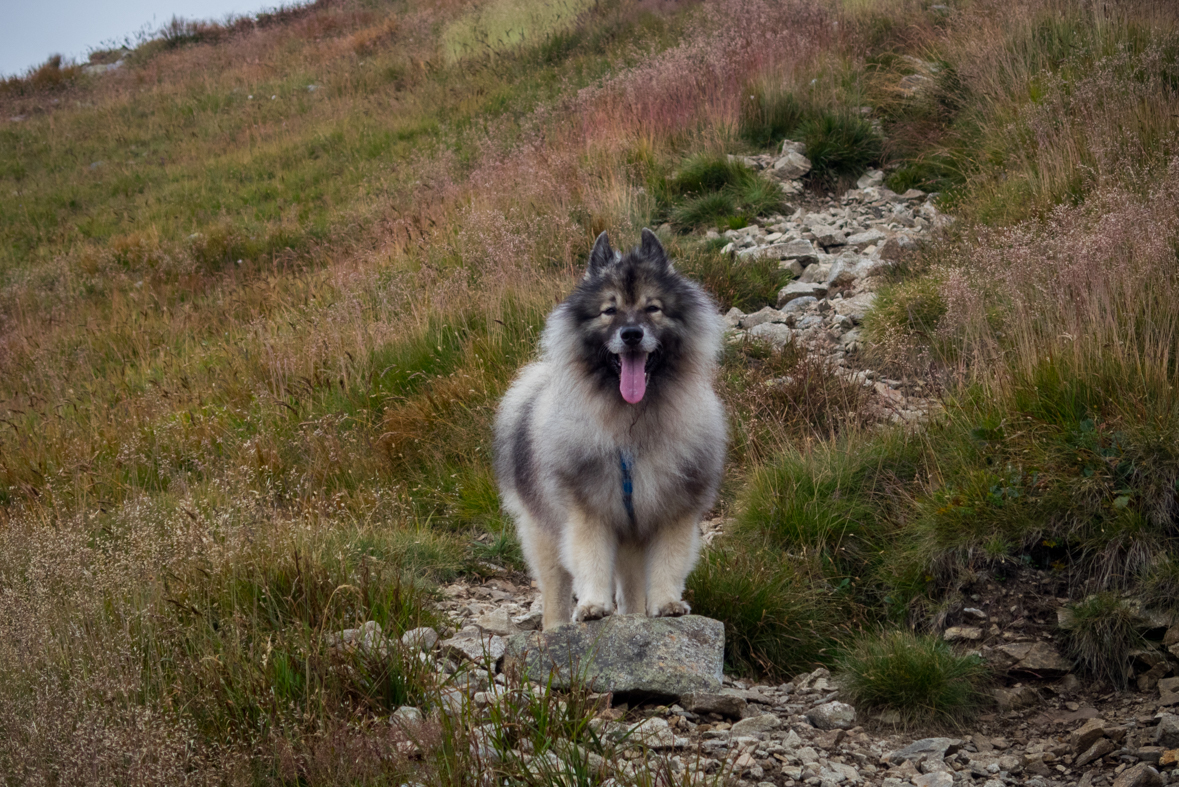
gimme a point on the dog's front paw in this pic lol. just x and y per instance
(672, 609)
(589, 611)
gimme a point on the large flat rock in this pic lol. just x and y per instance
(626, 654)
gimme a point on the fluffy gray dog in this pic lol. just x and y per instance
(609, 448)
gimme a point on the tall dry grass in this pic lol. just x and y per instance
(1092, 287)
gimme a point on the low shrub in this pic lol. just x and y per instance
(918, 677)
(748, 284)
(778, 396)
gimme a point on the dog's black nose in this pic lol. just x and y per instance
(631, 335)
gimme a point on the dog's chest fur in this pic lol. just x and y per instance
(672, 463)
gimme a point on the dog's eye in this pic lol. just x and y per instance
(653, 308)
(609, 310)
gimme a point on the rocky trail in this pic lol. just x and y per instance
(836, 248)
(1047, 727)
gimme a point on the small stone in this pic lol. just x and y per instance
(1168, 685)
(832, 715)
(763, 723)
(936, 748)
(761, 316)
(797, 289)
(722, 702)
(1098, 750)
(1141, 775)
(774, 333)
(422, 638)
(962, 633)
(1087, 734)
(473, 644)
(935, 779)
(791, 165)
(733, 317)
(1166, 734)
(870, 179)
(1169, 757)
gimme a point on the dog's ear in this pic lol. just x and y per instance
(601, 258)
(652, 249)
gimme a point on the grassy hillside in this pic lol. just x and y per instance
(262, 286)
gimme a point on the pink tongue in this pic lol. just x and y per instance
(634, 376)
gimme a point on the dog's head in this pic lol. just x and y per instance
(636, 318)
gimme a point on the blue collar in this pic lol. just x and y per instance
(625, 460)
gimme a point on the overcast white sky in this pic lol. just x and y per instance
(35, 29)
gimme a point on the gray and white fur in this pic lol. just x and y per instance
(610, 447)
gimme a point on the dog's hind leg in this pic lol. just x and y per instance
(670, 558)
(543, 552)
(556, 589)
(589, 550)
(631, 566)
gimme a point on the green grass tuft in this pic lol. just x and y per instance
(1101, 632)
(917, 676)
(834, 502)
(712, 190)
(776, 624)
(769, 113)
(707, 209)
(840, 146)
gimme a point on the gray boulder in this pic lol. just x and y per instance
(625, 654)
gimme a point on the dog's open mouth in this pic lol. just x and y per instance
(632, 374)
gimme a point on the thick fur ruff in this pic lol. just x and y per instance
(610, 447)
